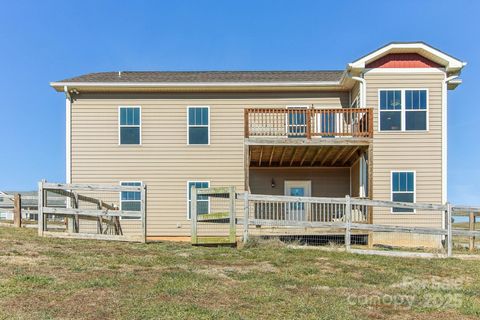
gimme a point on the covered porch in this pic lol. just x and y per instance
(332, 171)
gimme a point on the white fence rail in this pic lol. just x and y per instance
(93, 211)
(351, 217)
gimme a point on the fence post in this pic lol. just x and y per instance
(246, 214)
(449, 230)
(17, 210)
(348, 223)
(72, 224)
(144, 213)
(40, 208)
(471, 227)
(193, 212)
(233, 224)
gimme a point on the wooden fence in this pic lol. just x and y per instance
(97, 203)
(355, 215)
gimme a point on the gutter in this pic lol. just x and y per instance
(445, 137)
(196, 84)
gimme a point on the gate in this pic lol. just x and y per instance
(213, 216)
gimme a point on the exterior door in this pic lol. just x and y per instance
(297, 211)
(297, 121)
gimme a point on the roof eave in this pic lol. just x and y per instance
(59, 86)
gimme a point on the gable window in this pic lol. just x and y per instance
(203, 204)
(390, 110)
(198, 125)
(415, 110)
(403, 188)
(129, 119)
(131, 200)
(403, 110)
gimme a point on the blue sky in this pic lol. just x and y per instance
(43, 41)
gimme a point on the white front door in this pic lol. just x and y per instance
(297, 210)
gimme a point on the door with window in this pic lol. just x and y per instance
(297, 121)
(297, 211)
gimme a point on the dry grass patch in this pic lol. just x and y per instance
(44, 278)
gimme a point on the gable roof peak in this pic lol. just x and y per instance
(450, 63)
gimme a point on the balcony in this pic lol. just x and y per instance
(308, 123)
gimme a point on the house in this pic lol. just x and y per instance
(376, 129)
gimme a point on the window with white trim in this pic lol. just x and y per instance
(129, 125)
(403, 110)
(203, 204)
(403, 188)
(415, 109)
(198, 125)
(131, 200)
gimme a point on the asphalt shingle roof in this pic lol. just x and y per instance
(209, 76)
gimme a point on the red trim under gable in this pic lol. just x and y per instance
(403, 60)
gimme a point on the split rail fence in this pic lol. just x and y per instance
(93, 211)
(339, 222)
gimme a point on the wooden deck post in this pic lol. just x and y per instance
(449, 230)
(348, 223)
(17, 210)
(246, 124)
(246, 213)
(370, 123)
(471, 224)
(193, 212)
(308, 115)
(233, 224)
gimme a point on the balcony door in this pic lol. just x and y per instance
(297, 211)
(297, 121)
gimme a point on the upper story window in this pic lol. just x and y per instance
(198, 125)
(403, 110)
(403, 188)
(415, 109)
(131, 200)
(129, 125)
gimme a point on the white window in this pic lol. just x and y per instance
(403, 188)
(203, 204)
(131, 200)
(403, 110)
(198, 125)
(129, 119)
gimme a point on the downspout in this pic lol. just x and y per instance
(363, 90)
(68, 135)
(444, 140)
(363, 103)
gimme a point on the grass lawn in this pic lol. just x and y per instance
(44, 278)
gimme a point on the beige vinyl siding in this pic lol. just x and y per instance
(164, 161)
(418, 151)
(326, 182)
(355, 93)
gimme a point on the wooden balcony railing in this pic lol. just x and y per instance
(308, 123)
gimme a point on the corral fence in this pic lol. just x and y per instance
(20, 209)
(92, 211)
(356, 225)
